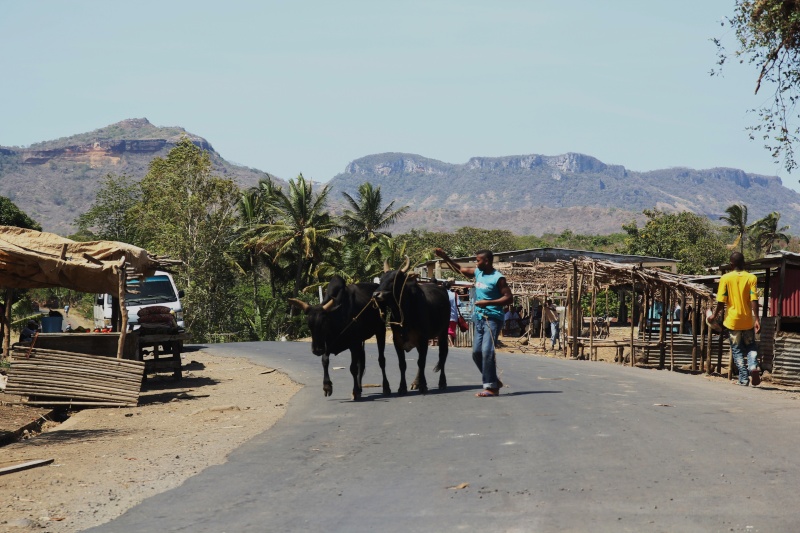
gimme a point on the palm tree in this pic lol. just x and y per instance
(366, 219)
(736, 219)
(301, 229)
(767, 231)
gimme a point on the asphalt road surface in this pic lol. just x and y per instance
(568, 446)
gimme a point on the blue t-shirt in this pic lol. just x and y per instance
(486, 289)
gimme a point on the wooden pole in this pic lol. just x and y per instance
(542, 321)
(694, 332)
(682, 313)
(122, 308)
(709, 347)
(702, 312)
(646, 333)
(765, 309)
(574, 309)
(781, 288)
(592, 319)
(633, 298)
(7, 331)
(662, 326)
(671, 338)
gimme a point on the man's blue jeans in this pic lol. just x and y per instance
(554, 333)
(743, 343)
(486, 331)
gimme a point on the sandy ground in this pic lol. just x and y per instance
(106, 460)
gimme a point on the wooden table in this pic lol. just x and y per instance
(163, 343)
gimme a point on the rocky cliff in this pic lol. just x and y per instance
(539, 193)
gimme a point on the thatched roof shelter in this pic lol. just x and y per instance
(33, 259)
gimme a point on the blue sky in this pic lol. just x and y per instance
(291, 87)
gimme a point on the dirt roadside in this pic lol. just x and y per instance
(107, 460)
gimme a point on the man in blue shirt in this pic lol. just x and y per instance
(492, 293)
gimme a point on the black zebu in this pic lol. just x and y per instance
(420, 311)
(346, 318)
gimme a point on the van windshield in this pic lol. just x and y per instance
(154, 290)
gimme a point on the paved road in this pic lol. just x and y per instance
(569, 446)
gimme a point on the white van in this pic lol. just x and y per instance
(158, 289)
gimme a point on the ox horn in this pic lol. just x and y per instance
(405, 266)
(386, 265)
(300, 304)
(328, 306)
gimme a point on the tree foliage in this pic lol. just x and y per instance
(366, 219)
(461, 243)
(11, 215)
(768, 37)
(685, 236)
(736, 219)
(187, 213)
(574, 241)
(768, 231)
(301, 229)
(110, 218)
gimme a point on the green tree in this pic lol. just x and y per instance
(11, 215)
(302, 230)
(767, 231)
(189, 214)
(736, 219)
(111, 215)
(367, 219)
(685, 236)
(264, 308)
(768, 37)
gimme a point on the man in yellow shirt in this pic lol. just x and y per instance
(737, 292)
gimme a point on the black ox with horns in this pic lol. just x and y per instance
(347, 317)
(420, 311)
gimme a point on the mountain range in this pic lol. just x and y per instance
(55, 181)
(535, 194)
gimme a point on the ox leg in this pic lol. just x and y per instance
(420, 380)
(442, 359)
(401, 359)
(380, 337)
(357, 368)
(327, 384)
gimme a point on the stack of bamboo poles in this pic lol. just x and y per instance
(53, 377)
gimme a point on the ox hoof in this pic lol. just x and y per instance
(328, 390)
(437, 367)
(442, 385)
(414, 386)
(401, 392)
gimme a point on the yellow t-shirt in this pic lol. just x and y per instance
(736, 290)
